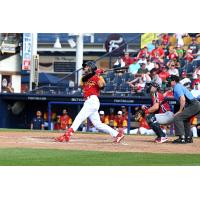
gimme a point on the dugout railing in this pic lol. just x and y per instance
(81, 103)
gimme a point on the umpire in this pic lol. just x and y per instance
(189, 106)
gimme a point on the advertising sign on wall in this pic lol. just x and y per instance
(27, 51)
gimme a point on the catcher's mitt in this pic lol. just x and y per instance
(139, 114)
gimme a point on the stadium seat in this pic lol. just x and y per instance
(111, 75)
(172, 40)
(187, 40)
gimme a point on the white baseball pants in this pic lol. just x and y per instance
(141, 130)
(90, 109)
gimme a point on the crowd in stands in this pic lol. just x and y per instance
(177, 54)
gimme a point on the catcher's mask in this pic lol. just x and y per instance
(139, 114)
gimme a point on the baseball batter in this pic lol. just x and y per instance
(91, 83)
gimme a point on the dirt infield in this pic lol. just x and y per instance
(94, 142)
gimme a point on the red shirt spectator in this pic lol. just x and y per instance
(189, 56)
(143, 53)
(173, 54)
(196, 80)
(169, 93)
(164, 74)
(165, 39)
(127, 59)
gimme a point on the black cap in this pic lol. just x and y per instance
(173, 78)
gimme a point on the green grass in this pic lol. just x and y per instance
(46, 157)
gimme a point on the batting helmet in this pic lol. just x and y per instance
(90, 64)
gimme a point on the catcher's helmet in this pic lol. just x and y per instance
(91, 65)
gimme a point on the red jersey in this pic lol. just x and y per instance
(143, 123)
(65, 121)
(172, 56)
(168, 93)
(159, 98)
(90, 87)
(104, 119)
(142, 53)
(165, 39)
(189, 57)
(120, 122)
(195, 81)
(164, 75)
(128, 61)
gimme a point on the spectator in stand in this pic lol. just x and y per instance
(9, 88)
(155, 77)
(189, 56)
(104, 119)
(158, 53)
(37, 122)
(196, 71)
(157, 66)
(119, 63)
(196, 90)
(151, 46)
(194, 46)
(172, 54)
(127, 59)
(120, 122)
(164, 74)
(197, 79)
(172, 69)
(133, 68)
(141, 78)
(179, 51)
(142, 60)
(165, 39)
(65, 120)
(185, 81)
(149, 65)
(168, 92)
(143, 53)
(179, 38)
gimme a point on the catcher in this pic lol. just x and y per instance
(91, 83)
(159, 113)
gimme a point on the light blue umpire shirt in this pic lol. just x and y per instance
(180, 90)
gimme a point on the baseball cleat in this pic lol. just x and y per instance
(63, 138)
(188, 140)
(179, 140)
(120, 136)
(161, 140)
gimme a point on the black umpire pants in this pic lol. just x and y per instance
(182, 120)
